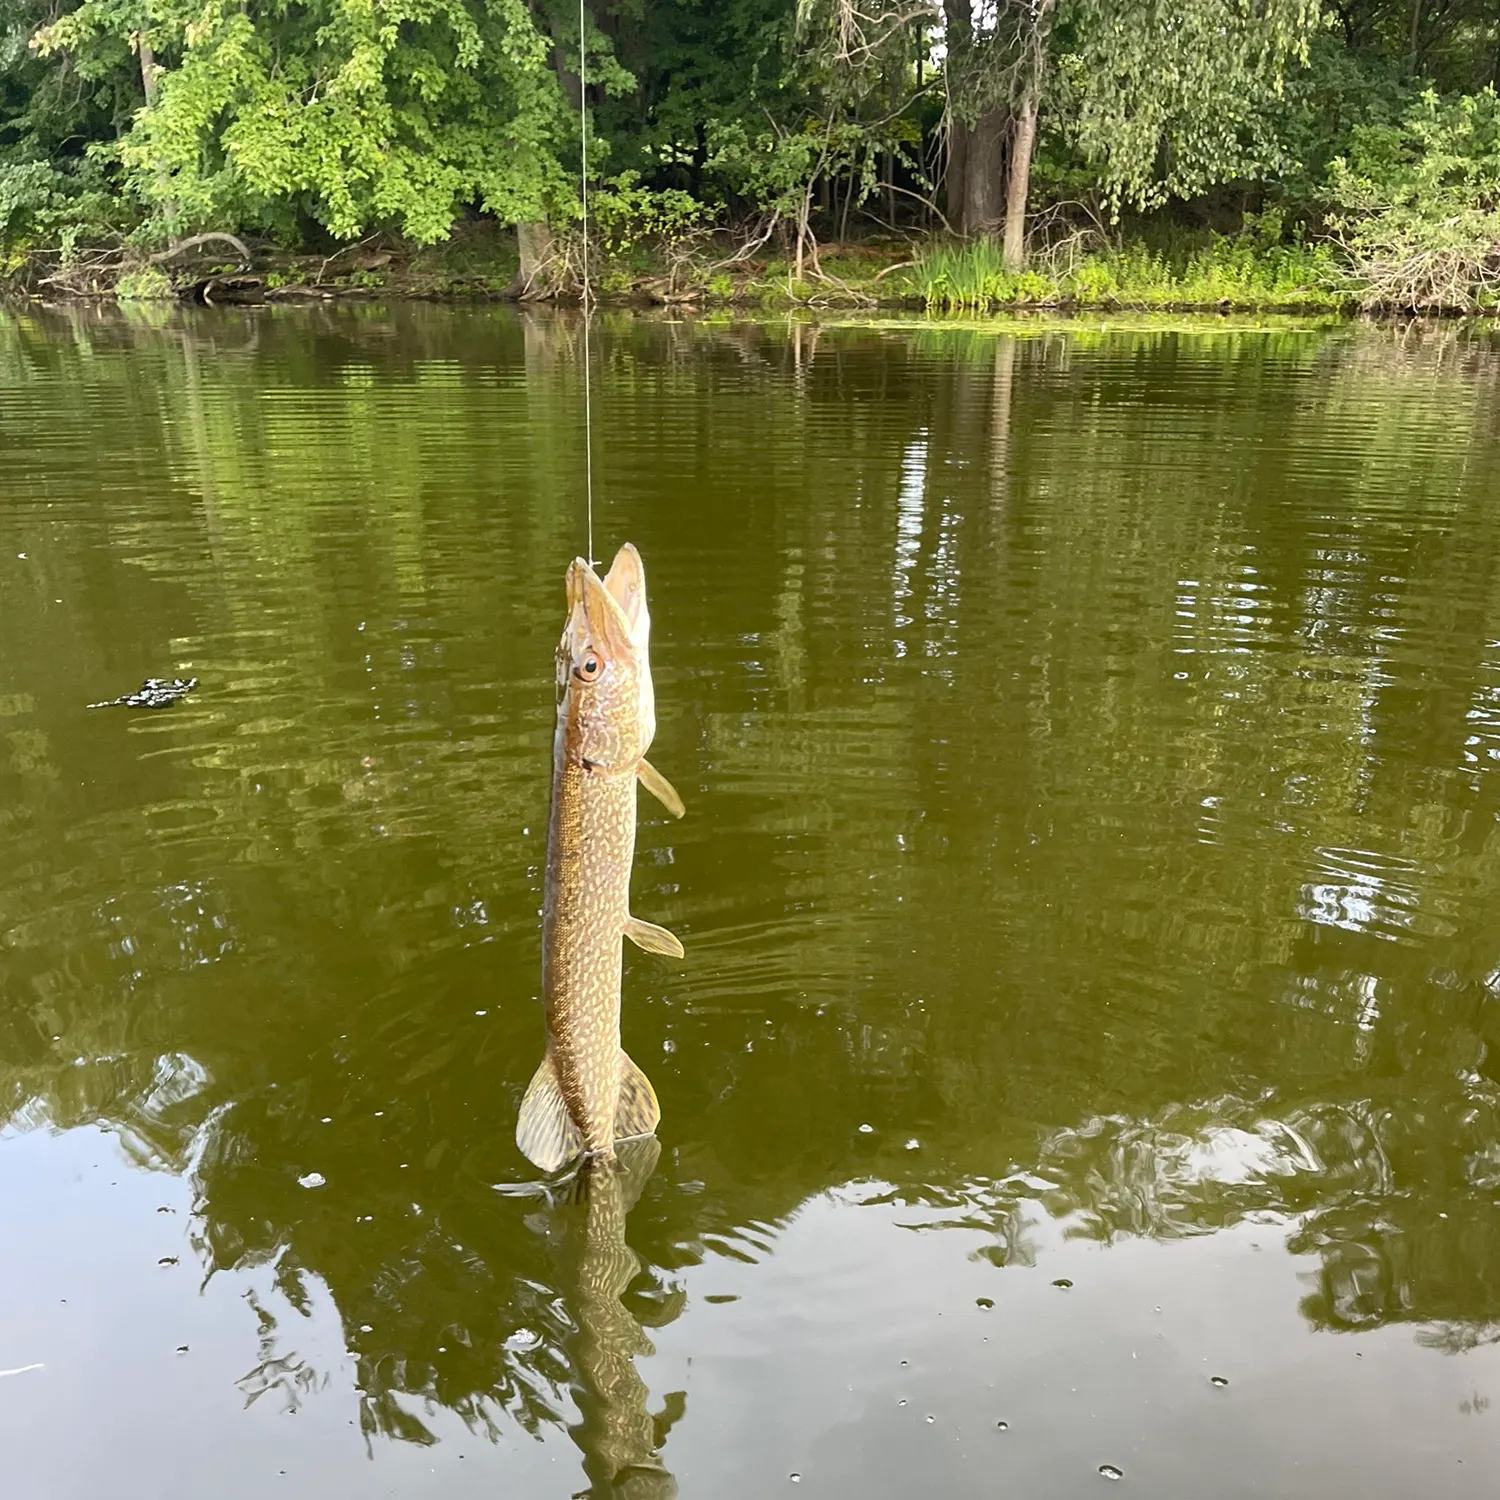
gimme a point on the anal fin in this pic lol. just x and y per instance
(652, 938)
(660, 788)
(545, 1131)
(638, 1113)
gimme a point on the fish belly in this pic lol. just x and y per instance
(585, 949)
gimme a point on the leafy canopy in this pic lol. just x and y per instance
(348, 112)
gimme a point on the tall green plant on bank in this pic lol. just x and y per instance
(1243, 272)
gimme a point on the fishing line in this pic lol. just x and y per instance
(588, 415)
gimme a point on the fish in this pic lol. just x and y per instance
(588, 1093)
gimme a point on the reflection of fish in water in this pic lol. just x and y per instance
(618, 1436)
(587, 1093)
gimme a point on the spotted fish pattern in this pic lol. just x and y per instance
(587, 1093)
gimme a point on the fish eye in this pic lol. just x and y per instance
(589, 668)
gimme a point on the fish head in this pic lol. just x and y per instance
(606, 704)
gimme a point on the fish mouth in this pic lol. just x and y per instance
(610, 610)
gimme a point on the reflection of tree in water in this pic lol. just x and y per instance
(1360, 1182)
(310, 877)
(488, 1308)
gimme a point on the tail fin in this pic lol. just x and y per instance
(637, 1112)
(545, 1131)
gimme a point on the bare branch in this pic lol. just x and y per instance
(195, 241)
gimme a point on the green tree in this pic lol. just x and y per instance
(344, 112)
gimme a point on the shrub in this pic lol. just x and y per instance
(1417, 205)
(144, 284)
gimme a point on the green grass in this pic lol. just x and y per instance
(1239, 273)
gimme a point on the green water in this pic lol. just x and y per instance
(1090, 887)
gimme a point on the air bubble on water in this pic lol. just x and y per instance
(904, 1363)
(481, 1012)
(312, 1180)
(866, 1129)
(182, 1348)
(1109, 1471)
(1002, 1426)
(1219, 1380)
(796, 1478)
(1063, 1282)
(930, 1419)
(902, 1401)
(367, 1328)
(914, 1144)
(984, 1302)
(328, 1119)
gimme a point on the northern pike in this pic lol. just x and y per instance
(587, 1093)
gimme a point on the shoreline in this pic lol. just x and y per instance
(864, 277)
(868, 282)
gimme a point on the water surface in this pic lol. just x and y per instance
(1084, 1059)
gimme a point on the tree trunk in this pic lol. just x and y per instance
(1023, 143)
(958, 27)
(535, 241)
(955, 173)
(147, 55)
(565, 63)
(982, 174)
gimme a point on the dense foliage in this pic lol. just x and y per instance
(1370, 126)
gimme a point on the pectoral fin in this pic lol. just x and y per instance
(652, 938)
(660, 788)
(638, 1112)
(545, 1131)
